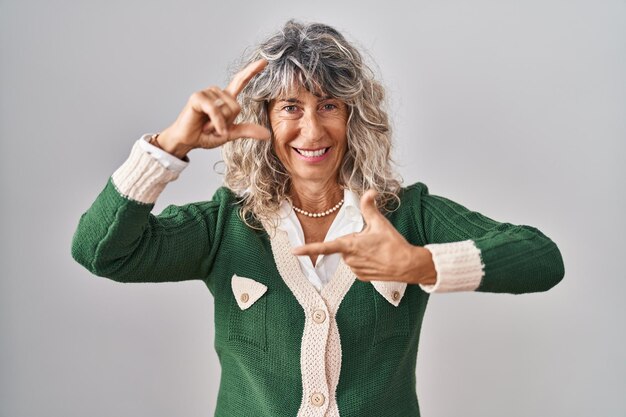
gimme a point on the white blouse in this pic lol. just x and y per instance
(348, 220)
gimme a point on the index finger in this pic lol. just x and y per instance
(242, 78)
(321, 248)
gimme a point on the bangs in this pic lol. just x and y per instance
(290, 79)
(286, 77)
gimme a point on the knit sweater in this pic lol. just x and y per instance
(286, 349)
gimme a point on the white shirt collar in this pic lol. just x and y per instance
(351, 207)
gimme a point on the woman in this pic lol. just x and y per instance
(319, 261)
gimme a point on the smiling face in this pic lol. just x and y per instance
(309, 135)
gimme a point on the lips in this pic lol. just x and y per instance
(310, 153)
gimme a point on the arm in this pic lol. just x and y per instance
(473, 252)
(119, 238)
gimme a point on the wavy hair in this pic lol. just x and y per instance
(320, 59)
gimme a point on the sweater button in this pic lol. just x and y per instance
(244, 297)
(319, 316)
(317, 399)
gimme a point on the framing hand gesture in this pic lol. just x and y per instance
(207, 120)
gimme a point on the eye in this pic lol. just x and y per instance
(290, 108)
(329, 106)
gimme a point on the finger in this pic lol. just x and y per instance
(321, 248)
(230, 108)
(366, 278)
(206, 101)
(368, 274)
(242, 78)
(364, 274)
(248, 130)
(368, 207)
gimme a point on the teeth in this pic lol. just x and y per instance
(311, 154)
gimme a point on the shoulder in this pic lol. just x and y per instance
(408, 198)
(406, 216)
(224, 194)
(412, 194)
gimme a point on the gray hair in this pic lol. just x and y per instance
(320, 59)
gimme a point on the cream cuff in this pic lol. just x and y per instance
(458, 264)
(142, 177)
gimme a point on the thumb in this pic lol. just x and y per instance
(248, 130)
(368, 206)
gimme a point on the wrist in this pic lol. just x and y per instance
(422, 266)
(163, 141)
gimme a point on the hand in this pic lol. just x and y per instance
(379, 252)
(207, 119)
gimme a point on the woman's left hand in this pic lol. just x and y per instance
(379, 252)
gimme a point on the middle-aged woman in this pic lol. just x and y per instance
(319, 261)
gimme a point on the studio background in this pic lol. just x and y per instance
(513, 109)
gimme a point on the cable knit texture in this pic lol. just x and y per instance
(349, 350)
(458, 266)
(142, 177)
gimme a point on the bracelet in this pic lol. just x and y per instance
(153, 140)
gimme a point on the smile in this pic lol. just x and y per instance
(308, 153)
(312, 155)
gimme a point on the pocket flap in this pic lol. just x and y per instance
(246, 291)
(393, 291)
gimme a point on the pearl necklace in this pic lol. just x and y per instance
(321, 214)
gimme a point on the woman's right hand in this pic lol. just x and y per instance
(207, 119)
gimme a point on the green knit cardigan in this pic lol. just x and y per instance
(261, 348)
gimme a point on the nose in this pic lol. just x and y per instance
(311, 127)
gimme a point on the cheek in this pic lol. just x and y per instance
(283, 133)
(343, 149)
(341, 137)
(282, 151)
(338, 129)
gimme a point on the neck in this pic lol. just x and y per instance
(315, 197)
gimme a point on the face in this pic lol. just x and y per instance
(309, 135)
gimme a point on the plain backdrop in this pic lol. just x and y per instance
(515, 109)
